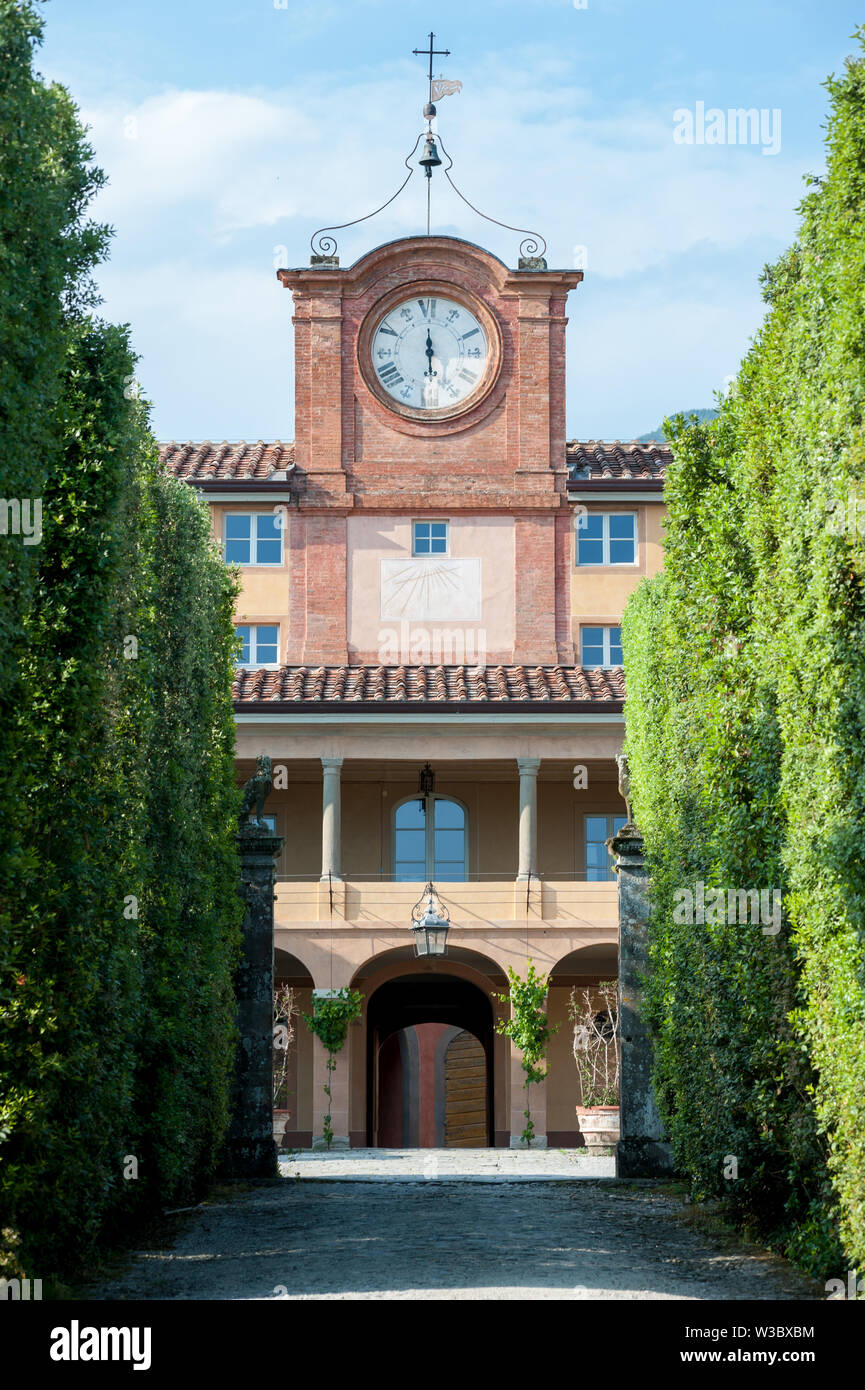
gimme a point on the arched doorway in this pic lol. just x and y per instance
(429, 1064)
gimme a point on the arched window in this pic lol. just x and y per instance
(430, 840)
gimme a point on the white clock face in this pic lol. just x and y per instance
(429, 353)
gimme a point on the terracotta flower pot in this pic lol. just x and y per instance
(280, 1120)
(599, 1126)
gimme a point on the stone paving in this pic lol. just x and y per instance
(496, 1226)
(446, 1165)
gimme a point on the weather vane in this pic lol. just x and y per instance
(441, 87)
(532, 249)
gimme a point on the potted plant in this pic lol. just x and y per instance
(595, 1012)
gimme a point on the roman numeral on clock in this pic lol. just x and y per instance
(471, 333)
(390, 375)
(467, 375)
(428, 308)
(385, 328)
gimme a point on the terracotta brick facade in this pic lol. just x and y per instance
(505, 453)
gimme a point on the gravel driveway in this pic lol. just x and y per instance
(315, 1239)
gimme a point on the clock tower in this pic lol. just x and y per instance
(430, 387)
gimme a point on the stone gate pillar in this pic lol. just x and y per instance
(250, 1148)
(641, 1151)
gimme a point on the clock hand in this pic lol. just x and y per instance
(429, 352)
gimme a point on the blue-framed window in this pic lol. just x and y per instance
(252, 538)
(429, 538)
(259, 644)
(601, 646)
(430, 840)
(599, 863)
(607, 538)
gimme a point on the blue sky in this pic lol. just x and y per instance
(231, 129)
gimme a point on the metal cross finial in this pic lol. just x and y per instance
(432, 52)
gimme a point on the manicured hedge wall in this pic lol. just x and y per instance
(745, 670)
(47, 247)
(119, 922)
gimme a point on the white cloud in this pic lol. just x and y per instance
(616, 183)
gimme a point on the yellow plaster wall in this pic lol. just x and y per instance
(563, 1087)
(599, 592)
(264, 595)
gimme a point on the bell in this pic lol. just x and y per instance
(430, 157)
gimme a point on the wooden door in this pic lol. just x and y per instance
(465, 1094)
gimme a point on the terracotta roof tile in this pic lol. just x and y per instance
(599, 459)
(204, 461)
(445, 685)
(201, 462)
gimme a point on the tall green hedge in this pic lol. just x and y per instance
(47, 249)
(119, 919)
(745, 669)
(191, 911)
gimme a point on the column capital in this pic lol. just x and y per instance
(331, 764)
(528, 767)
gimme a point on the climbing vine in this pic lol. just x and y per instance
(529, 1029)
(330, 1020)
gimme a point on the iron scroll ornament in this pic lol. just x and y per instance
(326, 246)
(532, 247)
(534, 244)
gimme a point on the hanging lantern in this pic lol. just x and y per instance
(426, 780)
(430, 922)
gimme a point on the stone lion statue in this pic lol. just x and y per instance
(255, 793)
(625, 784)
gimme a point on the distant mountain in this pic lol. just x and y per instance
(658, 434)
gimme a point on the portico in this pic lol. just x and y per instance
(513, 874)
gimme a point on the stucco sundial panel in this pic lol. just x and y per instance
(434, 590)
(394, 596)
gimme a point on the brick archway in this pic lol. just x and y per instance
(408, 1019)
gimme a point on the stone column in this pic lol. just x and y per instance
(331, 834)
(250, 1148)
(641, 1151)
(528, 857)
